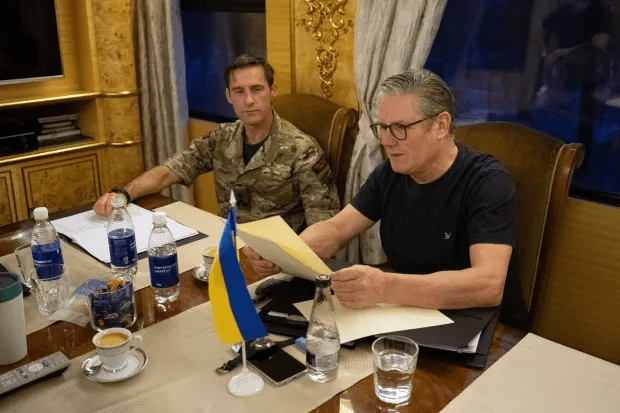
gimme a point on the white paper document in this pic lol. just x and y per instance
(471, 347)
(90, 231)
(383, 318)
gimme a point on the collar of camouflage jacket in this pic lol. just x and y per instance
(268, 152)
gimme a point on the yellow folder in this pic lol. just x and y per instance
(275, 241)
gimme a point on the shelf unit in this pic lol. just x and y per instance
(99, 84)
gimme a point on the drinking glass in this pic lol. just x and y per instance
(51, 287)
(394, 359)
(208, 256)
(111, 301)
(23, 253)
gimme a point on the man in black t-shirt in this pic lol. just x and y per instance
(447, 213)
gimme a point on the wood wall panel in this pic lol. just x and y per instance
(62, 184)
(114, 34)
(279, 43)
(86, 45)
(124, 164)
(122, 118)
(581, 306)
(8, 209)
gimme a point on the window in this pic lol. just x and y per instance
(215, 32)
(553, 65)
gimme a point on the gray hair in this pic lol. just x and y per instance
(432, 93)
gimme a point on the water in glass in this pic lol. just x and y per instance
(394, 377)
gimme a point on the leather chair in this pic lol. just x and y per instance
(542, 168)
(333, 126)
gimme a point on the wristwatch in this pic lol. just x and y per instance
(123, 191)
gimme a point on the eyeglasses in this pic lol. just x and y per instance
(398, 130)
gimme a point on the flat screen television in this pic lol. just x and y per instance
(29, 45)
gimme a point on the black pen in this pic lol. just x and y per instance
(290, 318)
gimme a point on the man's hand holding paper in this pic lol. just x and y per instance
(263, 267)
(275, 242)
(358, 286)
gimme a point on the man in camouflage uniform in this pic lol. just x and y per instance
(272, 167)
(288, 176)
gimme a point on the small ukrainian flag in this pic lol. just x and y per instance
(234, 315)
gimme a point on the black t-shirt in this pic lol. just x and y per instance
(429, 227)
(250, 149)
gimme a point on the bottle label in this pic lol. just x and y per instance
(46, 254)
(122, 247)
(164, 271)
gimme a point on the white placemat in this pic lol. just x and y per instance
(538, 375)
(183, 353)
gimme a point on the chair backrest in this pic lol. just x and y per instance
(330, 124)
(542, 168)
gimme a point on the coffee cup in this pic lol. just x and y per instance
(113, 346)
(208, 256)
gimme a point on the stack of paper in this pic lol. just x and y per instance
(89, 230)
(383, 318)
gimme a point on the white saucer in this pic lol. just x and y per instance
(136, 361)
(200, 273)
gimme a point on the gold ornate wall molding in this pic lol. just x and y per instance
(325, 20)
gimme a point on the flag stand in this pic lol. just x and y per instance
(245, 383)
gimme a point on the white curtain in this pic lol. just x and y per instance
(161, 76)
(391, 36)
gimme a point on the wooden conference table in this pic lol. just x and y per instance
(436, 381)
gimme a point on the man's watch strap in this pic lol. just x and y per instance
(121, 190)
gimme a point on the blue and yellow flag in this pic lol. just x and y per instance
(234, 315)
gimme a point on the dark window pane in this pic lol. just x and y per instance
(255, 6)
(554, 67)
(212, 40)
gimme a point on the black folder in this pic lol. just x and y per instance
(297, 290)
(477, 359)
(455, 336)
(448, 340)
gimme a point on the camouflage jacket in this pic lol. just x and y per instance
(288, 176)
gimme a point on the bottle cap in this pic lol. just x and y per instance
(40, 213)
(300, 343)
(159, 218)
(323, 280)
(118, 201)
